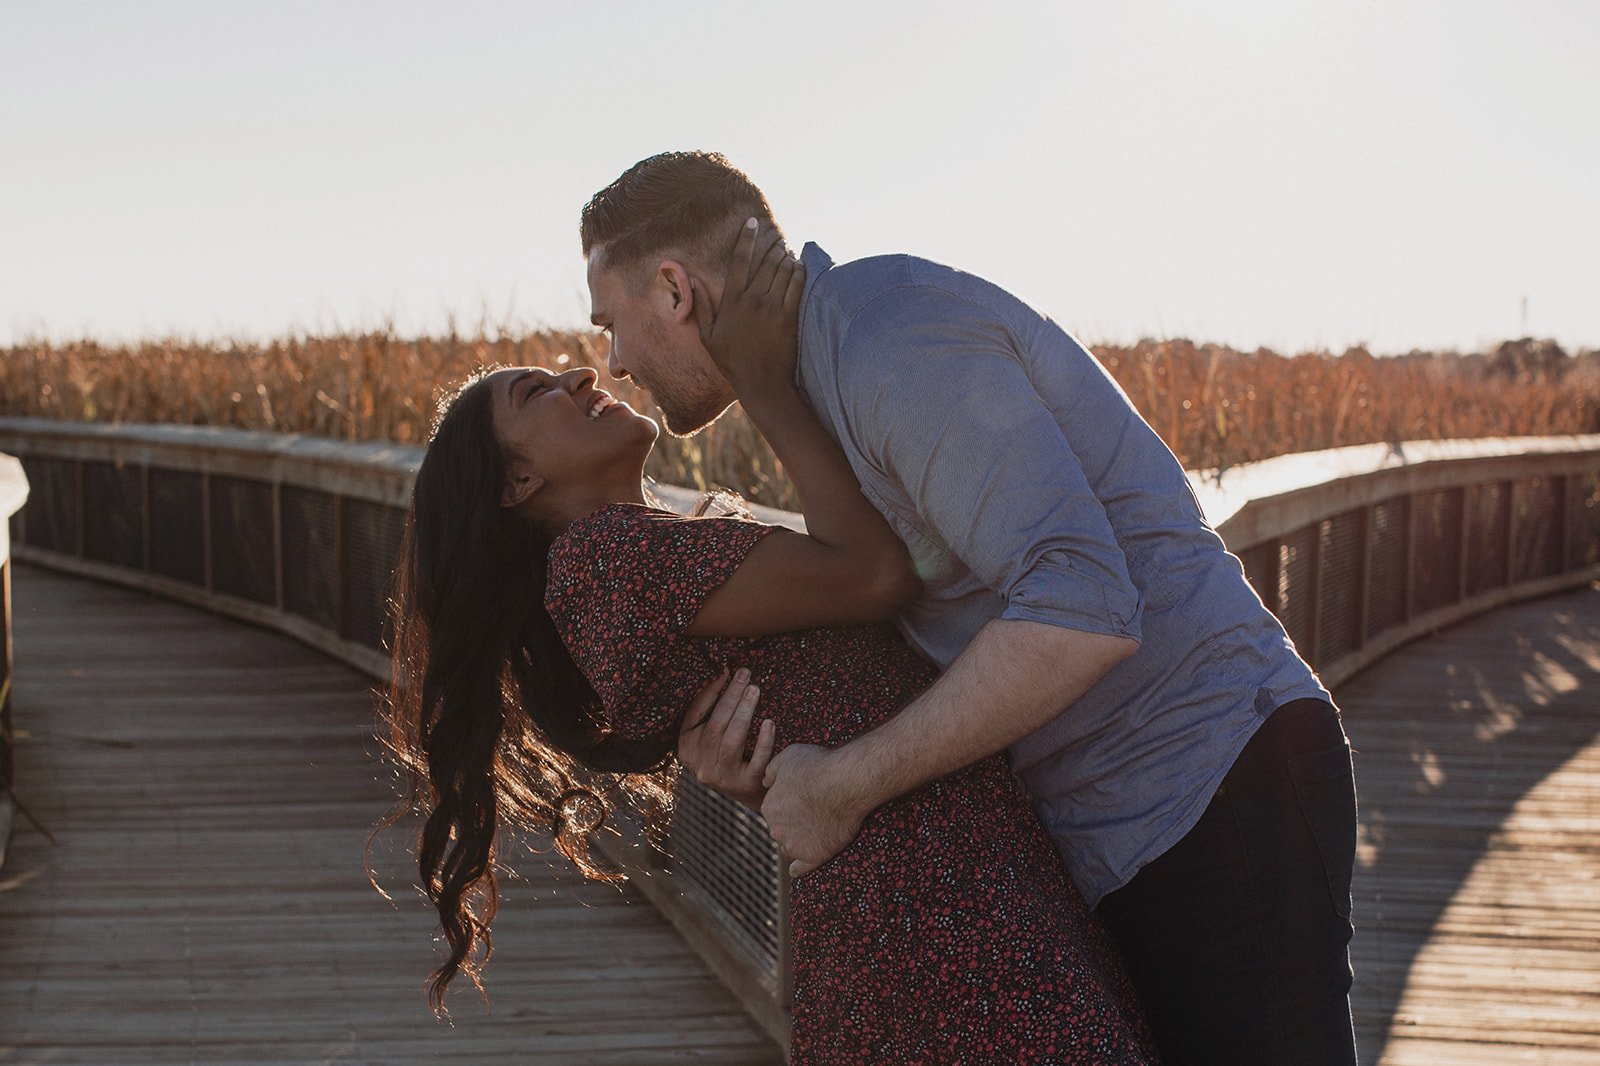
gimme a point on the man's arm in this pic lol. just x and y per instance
(943, 401)
(1013, 678)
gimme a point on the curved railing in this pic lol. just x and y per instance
(1358, 550)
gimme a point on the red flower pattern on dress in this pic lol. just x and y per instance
(948, 932)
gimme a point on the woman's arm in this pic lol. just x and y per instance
(849, 567)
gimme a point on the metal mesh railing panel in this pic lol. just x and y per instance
(371, 548)
(1536, 528)
(113, 530)
(720, 852)
(1436, 573)
(1261, 570)
(51, 513)
(243, 557)
(1386, 558)
(177, 525)
(311, 555)
(1488, 518)
(1583, 520)
(1339, 605)
(1297, 577)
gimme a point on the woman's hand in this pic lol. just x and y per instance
(711, 742)
(753, 332)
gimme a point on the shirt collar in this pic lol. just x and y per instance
(817, 262)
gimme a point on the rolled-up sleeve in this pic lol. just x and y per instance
(942, 404)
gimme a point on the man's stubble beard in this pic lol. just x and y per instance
(689, 395)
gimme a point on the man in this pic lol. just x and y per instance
(1188, 764)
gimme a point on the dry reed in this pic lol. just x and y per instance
(1215, 407)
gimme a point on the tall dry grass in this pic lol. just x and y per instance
(1215, 407)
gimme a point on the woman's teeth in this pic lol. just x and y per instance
(601, 402)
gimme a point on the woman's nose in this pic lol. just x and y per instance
(578, 377)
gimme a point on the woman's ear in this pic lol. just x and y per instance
(519, 487)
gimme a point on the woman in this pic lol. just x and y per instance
(552, 622)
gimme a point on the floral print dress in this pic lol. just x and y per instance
(948, 932)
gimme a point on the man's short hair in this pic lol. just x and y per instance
(687, 204)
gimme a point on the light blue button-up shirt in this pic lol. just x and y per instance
(1027, 486)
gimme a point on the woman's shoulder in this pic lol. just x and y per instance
(637, 519)
(630, 523)
(629, 538)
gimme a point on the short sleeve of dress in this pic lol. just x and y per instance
(624, 585)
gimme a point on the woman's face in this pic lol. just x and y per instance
(564, 429)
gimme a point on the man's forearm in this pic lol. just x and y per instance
(1013, 678)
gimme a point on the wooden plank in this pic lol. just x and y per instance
(212, 785)
(1477, 892)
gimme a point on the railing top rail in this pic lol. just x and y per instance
(374, 470)
(1281, 488)
(401, 458)
(381, 471)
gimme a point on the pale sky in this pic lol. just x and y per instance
(1275, 173)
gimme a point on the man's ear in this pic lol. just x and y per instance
(673, 277)
(519, 487)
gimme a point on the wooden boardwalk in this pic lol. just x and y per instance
(1477, 896)
(210, 786)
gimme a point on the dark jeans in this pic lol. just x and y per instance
(1238, 937)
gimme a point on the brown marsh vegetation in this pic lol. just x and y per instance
(1215, 406)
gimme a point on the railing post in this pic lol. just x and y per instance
(1322, 531)
(78, 532)
(1559, 490)
(205, 528)
(341, 579)
(1409, 602)
(1510, 573)
(1364, 577)
(144, 516)
(277, 543)
(785, 965)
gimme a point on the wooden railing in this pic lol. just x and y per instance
(301, 534)
(13, 494)
(1358, 550)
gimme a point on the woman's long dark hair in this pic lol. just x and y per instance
(488, 717)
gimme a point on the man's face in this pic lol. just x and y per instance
(655, 340)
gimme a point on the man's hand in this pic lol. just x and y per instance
(812, 816)
(711, 741)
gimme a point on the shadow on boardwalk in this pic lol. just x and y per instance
(1478, 886)
(211, 786)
